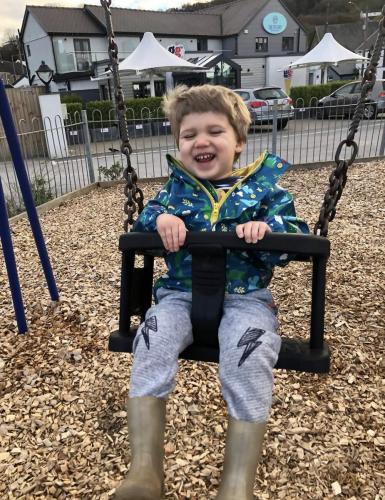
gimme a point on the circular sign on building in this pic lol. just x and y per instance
(274, 23)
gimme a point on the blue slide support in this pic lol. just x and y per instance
(10, 263)
(21, 173)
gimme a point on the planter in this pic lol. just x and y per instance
(139, 129)
(103, 134)
(302, 113)
(74, 135)
(161, 127)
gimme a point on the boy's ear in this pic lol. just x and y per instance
(239, 146)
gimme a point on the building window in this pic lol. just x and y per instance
(202, 44)
(28, 51)
(82, 54)
(288, 43)
(261, 44)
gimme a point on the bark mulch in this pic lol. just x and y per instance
(62, 419)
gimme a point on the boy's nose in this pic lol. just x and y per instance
(201, 140)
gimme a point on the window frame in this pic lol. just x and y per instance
(291, 48)
(263, 42)
(79, 53)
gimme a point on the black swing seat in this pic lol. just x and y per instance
(208, 250)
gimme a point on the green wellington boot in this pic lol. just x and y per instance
(146, 423)
(242, 454)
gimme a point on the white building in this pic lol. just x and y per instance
(253, 41)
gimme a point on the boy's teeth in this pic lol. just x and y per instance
(205, 157)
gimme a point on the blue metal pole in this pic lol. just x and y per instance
(18, 161)
(10, 262)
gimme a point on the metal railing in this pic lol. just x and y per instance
(64, 155)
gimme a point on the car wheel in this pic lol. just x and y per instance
(370, 112)
(281, 124)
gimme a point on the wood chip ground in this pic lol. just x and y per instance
(63, 427)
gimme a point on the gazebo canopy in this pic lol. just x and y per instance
(149, 55)
(151, 58)
(328, 52)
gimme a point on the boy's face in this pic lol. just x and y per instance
(208, 144)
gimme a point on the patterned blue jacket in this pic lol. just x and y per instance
(256, 196)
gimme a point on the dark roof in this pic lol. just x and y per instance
(350, 35)
(140, 21)
(237, 15)
(217, 21)
(63, 20)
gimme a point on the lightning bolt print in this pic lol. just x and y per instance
(149, 325)
(250, 340)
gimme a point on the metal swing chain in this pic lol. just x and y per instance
(338, 177)
(134, 194)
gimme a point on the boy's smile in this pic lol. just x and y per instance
(208, 144)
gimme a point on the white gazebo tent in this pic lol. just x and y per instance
(151, 58)
(328, 52)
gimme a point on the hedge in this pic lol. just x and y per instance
(74, 111)
(71, 98)
(308, 94)
(144, 108)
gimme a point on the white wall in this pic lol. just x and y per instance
(253, 71)
(83, 85)
(39, 44)
(275, 67)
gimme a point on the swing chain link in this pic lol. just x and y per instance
(132, 192)
(338, 177)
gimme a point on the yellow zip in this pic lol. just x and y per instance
(216, 206)
(214, 203)
(233, 188)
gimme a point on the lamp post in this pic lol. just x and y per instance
(364, 17)
(45, 75)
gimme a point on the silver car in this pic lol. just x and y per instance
(260, 103)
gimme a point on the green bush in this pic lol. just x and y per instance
(137, 109)
(99, 113)
(307, 95)
(41, 191)
(146, 107)
(74, 111)
(71, 98)
(112, 173)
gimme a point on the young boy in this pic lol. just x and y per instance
(204, 193)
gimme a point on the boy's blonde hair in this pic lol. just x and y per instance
(183, 100)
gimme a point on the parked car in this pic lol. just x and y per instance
(260, 102)
(342, 102)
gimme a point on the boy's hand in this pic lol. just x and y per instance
(252, 231)
(172, 230)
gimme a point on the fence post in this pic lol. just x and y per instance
(275, 127)
(87, 146)
(382, 145)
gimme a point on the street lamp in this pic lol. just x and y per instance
(364, 17)
(45, 75)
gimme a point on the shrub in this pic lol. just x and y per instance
(307, 95)
(74, 112)
(99, 113)
(41, 191)
(71, 98)
(146, 107)
(112, 173)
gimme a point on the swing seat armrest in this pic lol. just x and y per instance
(301, 245)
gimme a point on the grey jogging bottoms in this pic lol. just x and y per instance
(249, 348)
